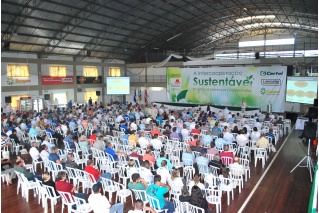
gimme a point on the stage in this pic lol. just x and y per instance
(213, 108)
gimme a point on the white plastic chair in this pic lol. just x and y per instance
(27, 185)
(81, 205)
(50, 194)
(261, 154)
(213, 196)
(237, 176)
(227, 160)
(154, 203)
(245, 163)
(68, 200)
(140, 194)
(122, 192)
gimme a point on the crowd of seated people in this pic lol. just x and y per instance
(63, 135)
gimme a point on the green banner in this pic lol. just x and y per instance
(257, 86)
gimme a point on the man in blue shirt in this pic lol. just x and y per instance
(70, 104)
(207, 139)
(159, 160)
(69, 140)
(111, 151)
(158, 190)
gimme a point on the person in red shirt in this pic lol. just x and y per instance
(155, 131)
(148, 156)
(226, 153)
(96, 174)
(196, 130)
(193, 142)
(63, 186)
(93, 136)
(134, 154)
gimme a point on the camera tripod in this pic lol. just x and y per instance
(309, 161)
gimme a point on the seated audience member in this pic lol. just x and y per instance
(134, 154)
(237, 166)
(163, 172)
(111, 151)
(6, 169)
(188, 157)
(195, 130)
(201, 159)
(228, 136)
(196, 182)
(198, 147)
(255, 135)
(44, 154)
(258, 125)
(84, 143)
(96, 173)
(216, 130)
(176, 182)
(155, 131)
(100, 204)
(262, 142)
(271, 135)
(55, 157)
(207, 139)
(137, 182)
(162, 157)
(156, 143)
(131, 169)
(70, 162)
(220, 142)
(93, 136)
(132, 139)
(158, 190)
(143, 142)
(48, 182)
(149, 157)
(196, 198)
(140, 208)
(241, 139)
(226, 152)
(216, 162)
(19, 167)
(47, 143)
(174, 134)
(145, 172)
(193, 142)
(167, 131)
(212, 150)
(34, 152)
(235, 130)
(99, 145)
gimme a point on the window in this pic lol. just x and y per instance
(114, 72)
(18, 70)
(58, 71)
(90, 72)
(91, 94)
(15, 100)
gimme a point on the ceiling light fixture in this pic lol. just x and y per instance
(174, 36)
(250, 18)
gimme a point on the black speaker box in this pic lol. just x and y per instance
(315, 102)
(98, 93)
(292, 116)
(7, 99)
(257, 56)
(47, 97)
(310, 130)
(290, 70)
(312, 112)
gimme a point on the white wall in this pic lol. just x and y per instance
(69, 94)
(154, 94)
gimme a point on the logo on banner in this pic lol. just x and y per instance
(263, 91)
(270, 82)
(176, 83)
(264, 73)
(17, 80)
(64, 80)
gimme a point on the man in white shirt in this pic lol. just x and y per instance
(119, 118)
(237, 166)
(163, 172)
(185, 132)
(147, 120)
(34, 152)
(133, 125)
(241, 139)
(258, 124)
(44, 154)
(140, 208)
(142, 141)
(228, 136)
(156, 143)
(100, 203)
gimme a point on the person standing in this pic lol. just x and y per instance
(8, 109)
(243, 106)
(90, 102)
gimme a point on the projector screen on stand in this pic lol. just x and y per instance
(117, 85)
(301, 89)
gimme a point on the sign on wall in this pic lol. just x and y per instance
(88, 80)
(258, 86)
(49, 80)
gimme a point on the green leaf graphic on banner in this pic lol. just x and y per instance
(181, 95)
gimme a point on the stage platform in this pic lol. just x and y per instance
(213, 108)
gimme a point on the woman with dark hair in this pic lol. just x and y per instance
(235, 130)
(196, 198)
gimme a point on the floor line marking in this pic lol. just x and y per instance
(262, 177)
